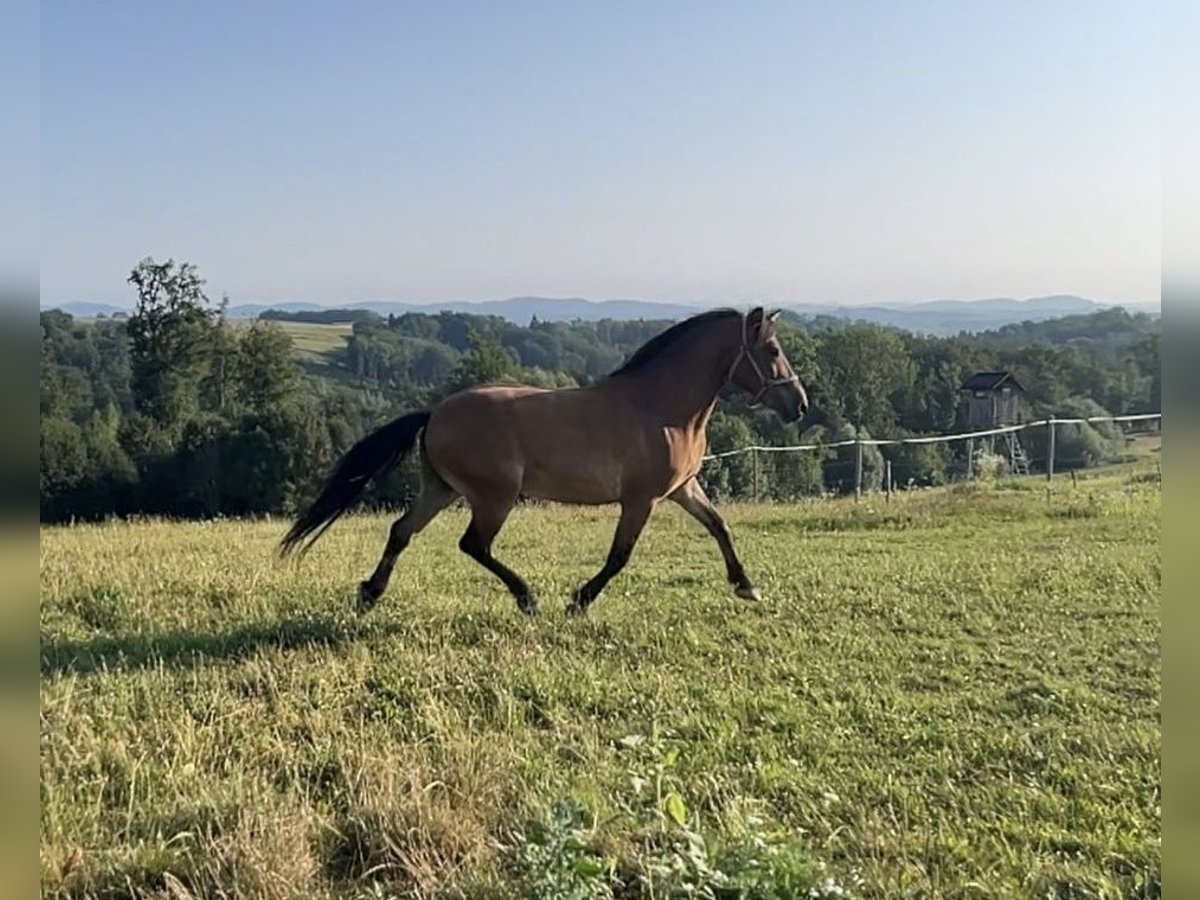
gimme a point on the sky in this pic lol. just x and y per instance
(794, 152)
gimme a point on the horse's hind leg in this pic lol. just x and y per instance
(435, 496)
(487, 518)
(633, 519)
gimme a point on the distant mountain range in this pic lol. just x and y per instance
(940, 317)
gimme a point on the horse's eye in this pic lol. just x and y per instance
(774, 351)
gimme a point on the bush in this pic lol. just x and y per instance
(793, 474)
(989, 466)
(840, 466)
(733, 476)
(1078, 446)
(924, 465)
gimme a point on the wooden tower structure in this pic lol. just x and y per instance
(994, 401)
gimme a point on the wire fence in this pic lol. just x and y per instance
(980, 449)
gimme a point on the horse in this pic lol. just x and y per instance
(635, 437)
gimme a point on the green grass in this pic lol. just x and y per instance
(314, 343)
(317, 339)
(952, 695)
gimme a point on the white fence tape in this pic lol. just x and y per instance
(934, 439)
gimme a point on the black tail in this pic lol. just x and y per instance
(371, 457)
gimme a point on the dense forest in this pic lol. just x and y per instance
(177, 411)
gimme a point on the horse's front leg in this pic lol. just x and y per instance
(692, 498)
(633, 519)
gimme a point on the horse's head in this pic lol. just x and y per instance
(763, 370)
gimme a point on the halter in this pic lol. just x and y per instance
(767, 383)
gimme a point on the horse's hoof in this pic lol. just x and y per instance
(528, 606)
(576, 606)
(367, 597)
(748, 592)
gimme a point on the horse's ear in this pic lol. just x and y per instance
(759, 323)
(773, 315)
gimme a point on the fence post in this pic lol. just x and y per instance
(888, 470)
(970, 458)
(754, 454)
(1050, 455)
(858, 466)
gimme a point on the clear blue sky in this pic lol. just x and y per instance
(713, 152)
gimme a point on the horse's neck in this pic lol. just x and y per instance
(682, 390)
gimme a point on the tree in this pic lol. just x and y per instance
(216, 388)
(266, 370)
(731, 476)
(53, 397)
(1076, 445)
(63, 465)
(485, 362)
(797, 473)
(1147, 355)
(433, 363)
(922, 464)
(864, 368)
(171, 335)
(841, 465)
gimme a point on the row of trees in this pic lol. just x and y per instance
(178, 411)
(885, 380)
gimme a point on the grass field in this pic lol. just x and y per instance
(952, 695)
(312, 342)
(314, 338)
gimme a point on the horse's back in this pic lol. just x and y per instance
(478, 419)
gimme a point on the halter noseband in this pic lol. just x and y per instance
(767, 383)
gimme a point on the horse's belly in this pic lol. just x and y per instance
(567, 483)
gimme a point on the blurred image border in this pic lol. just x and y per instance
(1180, 768)
(19, 238)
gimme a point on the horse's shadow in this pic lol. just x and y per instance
(185, 649)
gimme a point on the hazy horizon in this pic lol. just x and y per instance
(844, 155)
(129, 303)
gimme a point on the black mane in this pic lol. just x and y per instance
(658, 344)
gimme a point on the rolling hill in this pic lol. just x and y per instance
(937, 317)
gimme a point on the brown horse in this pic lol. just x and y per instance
(634, 438)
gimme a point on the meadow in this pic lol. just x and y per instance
(315, 339)
(312, 342)
(951, 694)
